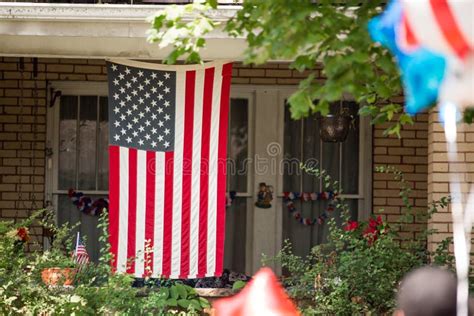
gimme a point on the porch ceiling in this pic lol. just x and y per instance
(96, 31)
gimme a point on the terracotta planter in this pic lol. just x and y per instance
(58, 276)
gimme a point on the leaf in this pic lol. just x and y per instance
(164, 293)
(212, 3)
(174, 292)
(468, 116)
(195, 304)
(158, 21)
(172, 302)
(182, 291)
(238, 285)
(204, 303)
(184, 303)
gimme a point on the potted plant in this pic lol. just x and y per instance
(57, 264)
(57, 268)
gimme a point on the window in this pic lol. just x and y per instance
(302, 143)
(238, 154)
(81, 147)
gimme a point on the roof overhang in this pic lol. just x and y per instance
(97, 31)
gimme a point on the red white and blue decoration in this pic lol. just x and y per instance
(167, 179)
(289, 199)
(433, 41)
(86, 205)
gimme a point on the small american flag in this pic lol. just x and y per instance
(81, 256)
(167, 167)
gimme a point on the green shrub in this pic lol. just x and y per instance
(96, 290)
(358, 270)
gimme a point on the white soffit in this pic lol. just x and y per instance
(96, 31)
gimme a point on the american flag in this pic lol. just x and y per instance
(81, 256)
(167, 153)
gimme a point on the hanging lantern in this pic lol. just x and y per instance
(335, 127)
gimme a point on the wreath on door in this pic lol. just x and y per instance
(289, 199)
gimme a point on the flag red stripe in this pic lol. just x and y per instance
(187, 171)
(221, 164)
(114, 198)
(449, 27)
(168, 213)
(150, 209)
(132, 208)
(204, 178)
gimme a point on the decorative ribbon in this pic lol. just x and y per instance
(290, 197)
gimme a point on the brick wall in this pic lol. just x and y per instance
(439, 169)
(409, 155)
(19, 172)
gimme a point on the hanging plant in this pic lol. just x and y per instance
(335, 127)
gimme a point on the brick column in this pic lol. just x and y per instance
(409, 155)
(439, 169)
(22, 141)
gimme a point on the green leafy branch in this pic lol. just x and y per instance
(329, 41)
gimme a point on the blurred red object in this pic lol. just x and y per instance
(262, 296)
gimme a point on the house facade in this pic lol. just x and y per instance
(54, 133)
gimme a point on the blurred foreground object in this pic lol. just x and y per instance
(433, 42)
(427, 291)
(264, 295)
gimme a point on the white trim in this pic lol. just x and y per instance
(145, 65)
(80, 88)
(95, 12)
(99, 31)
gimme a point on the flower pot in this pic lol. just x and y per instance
(58, 276)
